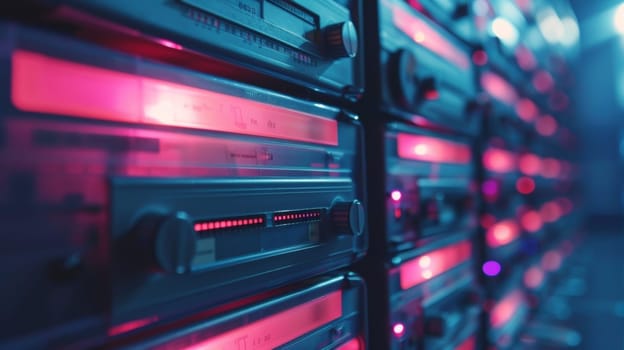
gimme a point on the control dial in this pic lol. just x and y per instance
(171, 240)
(348, 217)
(402, 78)
(341, 40)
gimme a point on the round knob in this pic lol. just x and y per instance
(341, 39)
(348, 217)
(402, 78)
(435, 326)
(172, 240)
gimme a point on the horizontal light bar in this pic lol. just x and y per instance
(296, 216)
(431, 149)
(434, 263)
(229, 223)
(276, 330)
(50, 85)
(422, 33)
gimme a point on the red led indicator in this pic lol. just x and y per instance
(525, 185)
(480, 58)
(551, 168)
(525, 58)
(416, 5)
(431, 149)
(533, 277)
(531, 221)
(551, 261)
(397, 213)
(526, 110)
(487, 220)
(49, 85)
(220, 224)
(550, 211)
(434, 263)
(502, 233)
(499, 161)
(499, 88)
(432, 95)
(530, 164)
(282, 327)
(424, 34)
(506, 308)
(546, 126)
(543, 81)
(297, 217)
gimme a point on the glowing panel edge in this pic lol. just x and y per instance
(434, 263)
(278, 329)
(46, 84)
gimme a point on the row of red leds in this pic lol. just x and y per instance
(297, 216)
(228, 223)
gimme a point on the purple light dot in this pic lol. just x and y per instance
(491, 268)
(490, 188)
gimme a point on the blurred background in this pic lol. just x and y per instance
(599, 102)
(597, 309)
